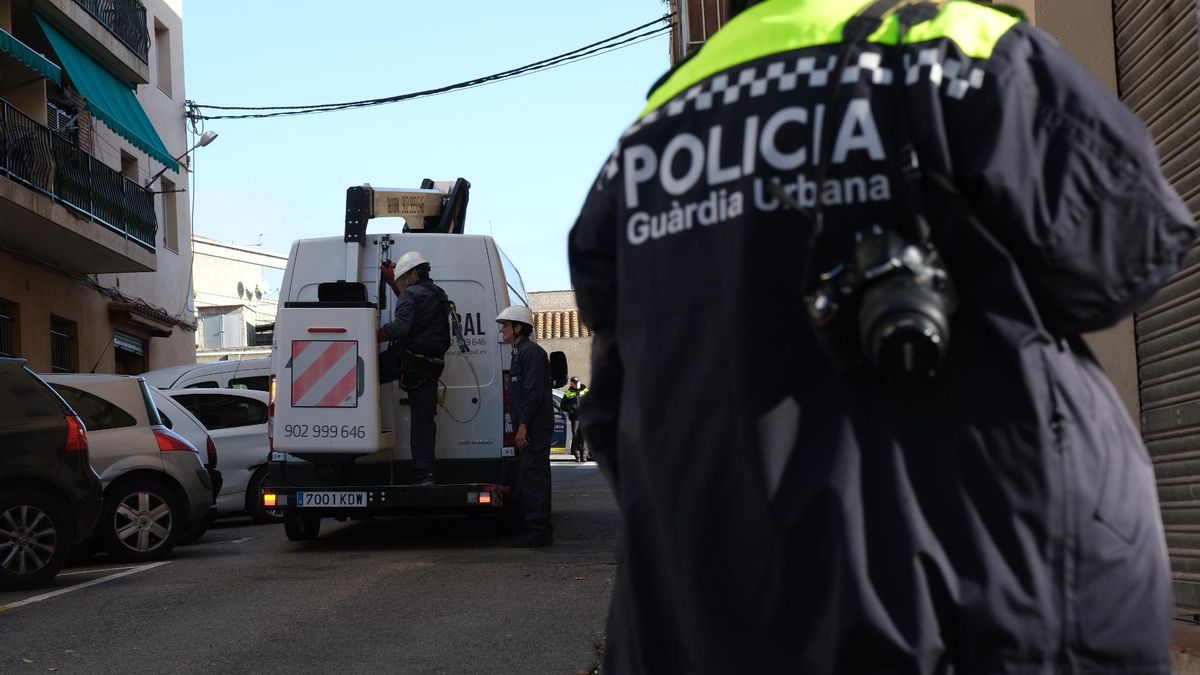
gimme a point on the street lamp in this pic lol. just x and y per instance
(205, 138)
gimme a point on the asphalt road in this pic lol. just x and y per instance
(392, 595)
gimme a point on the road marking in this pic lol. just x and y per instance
(98, 569)
(230, 541)
(93, 582)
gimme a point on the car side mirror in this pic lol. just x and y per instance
(558, 369)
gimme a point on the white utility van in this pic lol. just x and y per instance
(340, 441)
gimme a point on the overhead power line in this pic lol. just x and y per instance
(628, 38)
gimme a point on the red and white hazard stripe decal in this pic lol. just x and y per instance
(324, 373)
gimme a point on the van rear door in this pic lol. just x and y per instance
(326, 374)
(470, 398)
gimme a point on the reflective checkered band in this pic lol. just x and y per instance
(958, 75)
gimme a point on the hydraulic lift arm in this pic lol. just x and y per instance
(437, 206)
(434, 207)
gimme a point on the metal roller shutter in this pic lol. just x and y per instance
(1158, 73)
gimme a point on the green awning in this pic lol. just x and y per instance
(108, 98)
(19, 51)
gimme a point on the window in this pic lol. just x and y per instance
(64, 347)
(170, 216)
(207, 384)
(129, 166)
(23, 397)
(129, 353)
(257, 383)
(8, 328)
(96, 413)
(222, 411)
(162, 50)
(513, 279)
(62, 121)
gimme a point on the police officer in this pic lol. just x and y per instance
(784, 511)
(572, 396)
(420, 336)
(533, 422)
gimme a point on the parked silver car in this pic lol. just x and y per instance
(155, 482)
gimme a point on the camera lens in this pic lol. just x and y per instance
(908, 348)
(904, 329)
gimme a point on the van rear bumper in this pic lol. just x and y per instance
(351, 501)
(294, 473)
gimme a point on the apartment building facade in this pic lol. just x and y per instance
(95, 236)
(1148, 53)
(237, 290)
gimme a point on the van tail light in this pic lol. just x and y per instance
(212, 452)
(271, 415)
(169, 441)
(76, 435)
(510, 435)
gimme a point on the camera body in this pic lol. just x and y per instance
(886, 307)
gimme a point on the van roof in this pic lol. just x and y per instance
(165, 378)
(424, 236)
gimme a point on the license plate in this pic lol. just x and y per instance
(331, 499)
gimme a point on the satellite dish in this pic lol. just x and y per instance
(241, 289)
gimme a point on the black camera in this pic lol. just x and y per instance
(887, 306)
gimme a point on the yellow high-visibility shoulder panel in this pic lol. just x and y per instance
(779, 26)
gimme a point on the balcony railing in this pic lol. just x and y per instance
(47, 162)
(126, 19)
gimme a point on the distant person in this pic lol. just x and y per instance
(572, 396)
(533, 422)
(419, 336)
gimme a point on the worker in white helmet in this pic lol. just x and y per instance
(533, 422)
(419, 336)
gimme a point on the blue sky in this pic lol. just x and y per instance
(530, 146)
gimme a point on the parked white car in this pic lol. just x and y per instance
(155, 482)
(242, 374)
(237, 421)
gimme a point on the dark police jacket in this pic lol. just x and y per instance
(781, 517)
(422, 320)
(529, 388)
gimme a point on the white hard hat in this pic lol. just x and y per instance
(517, 313)
(408, 261)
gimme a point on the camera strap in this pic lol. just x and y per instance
(857, 30)
(909, 13)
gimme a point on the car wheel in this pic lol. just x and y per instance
(142, 521)
(259, 513)
(35, 539)
(300, 526)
